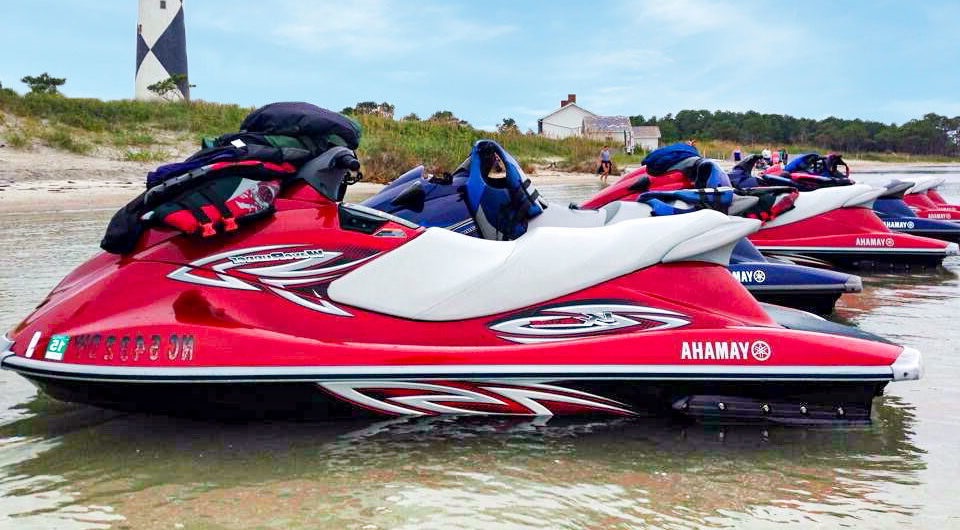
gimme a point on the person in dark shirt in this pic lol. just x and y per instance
(605, 163)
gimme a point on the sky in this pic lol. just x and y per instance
(888, 61)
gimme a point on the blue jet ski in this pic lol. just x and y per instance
(898, 216)
(430, 200)
(812, 171)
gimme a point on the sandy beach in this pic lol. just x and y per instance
(49, 180)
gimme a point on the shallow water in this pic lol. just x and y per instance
(74, 467)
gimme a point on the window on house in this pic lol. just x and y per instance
(163, 4)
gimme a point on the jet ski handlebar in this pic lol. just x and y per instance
(329, 173)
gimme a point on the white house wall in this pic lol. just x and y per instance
(567, 121)
(648, 144)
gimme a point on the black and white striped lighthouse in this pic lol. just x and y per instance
(161, 47)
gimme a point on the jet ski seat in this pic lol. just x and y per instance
(924, 184)
(615, 212)
(823, 200)
(473, 277)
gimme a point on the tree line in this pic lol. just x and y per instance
(931, 135)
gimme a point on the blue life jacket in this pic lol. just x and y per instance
(669, 157)
(802, 163)
(697, 199)
(501, 207)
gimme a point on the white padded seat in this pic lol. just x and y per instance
(924, 184)
(442, 275)
(823, 200)
(556, 215)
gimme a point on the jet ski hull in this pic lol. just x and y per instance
(898, 217)
(753, 373)
(849, 238)
(326, 308)
(871, 245)
(312, 397)
(806, 288)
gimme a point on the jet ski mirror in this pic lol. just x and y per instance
(746, 165)
(445, 179)
(413, 198)
(330, 172)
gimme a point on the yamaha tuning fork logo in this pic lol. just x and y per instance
(760, 350)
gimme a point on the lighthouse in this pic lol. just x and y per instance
(161, 48)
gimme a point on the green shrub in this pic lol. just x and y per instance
(132, 138)
(18, 140)
(390, 147)
(61, 138)
(146, 155)
(123, 115)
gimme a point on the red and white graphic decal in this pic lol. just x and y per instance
(254, 196)
(584, 320)
(429, 398)
(297, 274)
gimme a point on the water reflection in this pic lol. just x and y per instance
(85, 465)
(890, 290)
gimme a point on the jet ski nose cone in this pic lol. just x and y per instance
(908, 366)
(6, 345)
(854, 284)
(953, 250)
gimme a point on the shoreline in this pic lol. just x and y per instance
(47, 180)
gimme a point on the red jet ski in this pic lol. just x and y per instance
(330, 309)
(828, 226)
(239, 284)
(924, 199)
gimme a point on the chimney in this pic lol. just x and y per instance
(571, 98)
(563, 103)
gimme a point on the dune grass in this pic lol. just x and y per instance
(388, 148)
(125, 116)
(135, 131)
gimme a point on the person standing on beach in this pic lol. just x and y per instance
(605, 163)
(765, 154)
(737, 154)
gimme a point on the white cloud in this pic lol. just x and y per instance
(685, 18)
(367, 29)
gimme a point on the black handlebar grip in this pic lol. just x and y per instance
(348, 161)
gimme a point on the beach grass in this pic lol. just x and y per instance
(146, 155)
(388, 147)
(152, 131)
